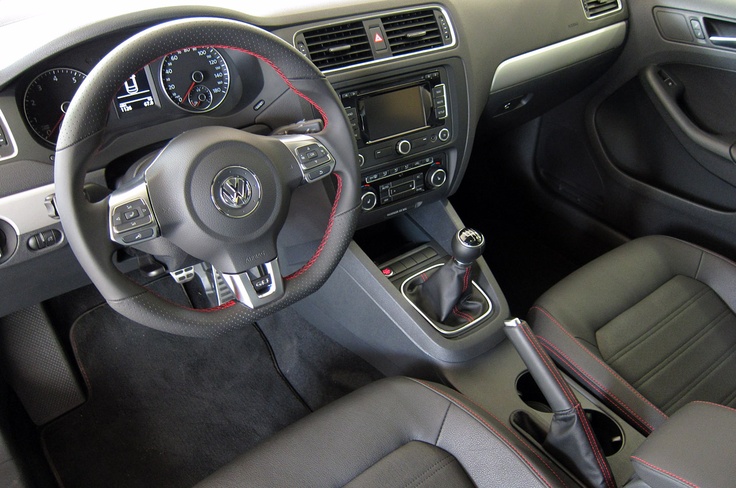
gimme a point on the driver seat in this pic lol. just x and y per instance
(647, 327)
(397, 432)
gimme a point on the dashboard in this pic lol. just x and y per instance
(414, 78)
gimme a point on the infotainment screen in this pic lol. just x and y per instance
(393, 113)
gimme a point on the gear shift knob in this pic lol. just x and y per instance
(467, 246)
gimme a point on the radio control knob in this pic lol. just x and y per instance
(436, 177)
(444, 135)
(361, 160)
(368, 200)
(403, 147)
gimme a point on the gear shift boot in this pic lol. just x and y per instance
(438, 303)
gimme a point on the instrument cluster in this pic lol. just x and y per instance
(190, 80)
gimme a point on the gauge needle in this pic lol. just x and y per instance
(186, 95)
(57, 124)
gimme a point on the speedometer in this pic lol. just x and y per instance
(195, 79)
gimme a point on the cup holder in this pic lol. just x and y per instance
(607, 431)
(530, 393)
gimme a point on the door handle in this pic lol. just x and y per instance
(665, 90)
(723, 41)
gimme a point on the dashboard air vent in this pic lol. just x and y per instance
(596, 8)
(336, 46)
(414, 31)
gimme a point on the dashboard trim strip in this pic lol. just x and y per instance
(26, 211)
(542, 61)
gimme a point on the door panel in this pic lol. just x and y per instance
(649, 148)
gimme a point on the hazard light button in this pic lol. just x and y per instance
(378, 39)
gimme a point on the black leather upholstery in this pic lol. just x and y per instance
(395, 432)
(648, 327)
(696, 447)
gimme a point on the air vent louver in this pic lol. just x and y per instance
(596, 8)
(337, 46)
(412, 31)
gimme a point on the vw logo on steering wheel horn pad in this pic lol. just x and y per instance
(236, 192)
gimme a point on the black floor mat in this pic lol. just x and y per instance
(164, 410)
(320, 369)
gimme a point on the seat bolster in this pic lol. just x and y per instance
(603, 289)
(339, 442)
(568, 315)
(720, 274)
(594, 374)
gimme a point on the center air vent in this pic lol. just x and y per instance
(338, 45)
(596, 8)
(375, 38)
(412, 31)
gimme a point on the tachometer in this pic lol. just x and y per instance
(195, 79)
(47, 98)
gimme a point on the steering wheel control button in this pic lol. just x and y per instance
(134, 237)
(312, 156)
(236, 192)
(131, 216)
(318, 172)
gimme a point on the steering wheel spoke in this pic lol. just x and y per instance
(131, 216)
(314, 159)
(258, 285)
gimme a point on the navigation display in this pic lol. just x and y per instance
(393, 113)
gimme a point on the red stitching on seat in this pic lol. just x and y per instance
(664, 471)
(513, 432)
(488, 426)
(321, 246)
(715, 405)
(597, 359)
(584, 376)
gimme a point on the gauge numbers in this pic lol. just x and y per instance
(47, 99)
(195, 79)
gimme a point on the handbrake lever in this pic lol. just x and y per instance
(570, 437)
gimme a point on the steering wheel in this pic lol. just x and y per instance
(217, 193)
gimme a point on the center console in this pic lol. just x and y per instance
(404, 129)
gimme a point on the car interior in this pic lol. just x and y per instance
(368, 243)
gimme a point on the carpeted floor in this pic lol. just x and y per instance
(164, 410)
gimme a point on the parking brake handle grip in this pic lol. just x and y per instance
(538, 363)
(665, 90)
(570, 438)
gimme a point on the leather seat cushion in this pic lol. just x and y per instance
(647, 327)
(395, 432)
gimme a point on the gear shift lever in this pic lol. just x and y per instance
(446, 295)
(467, 246)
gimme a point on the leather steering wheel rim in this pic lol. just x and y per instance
(86, 224)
